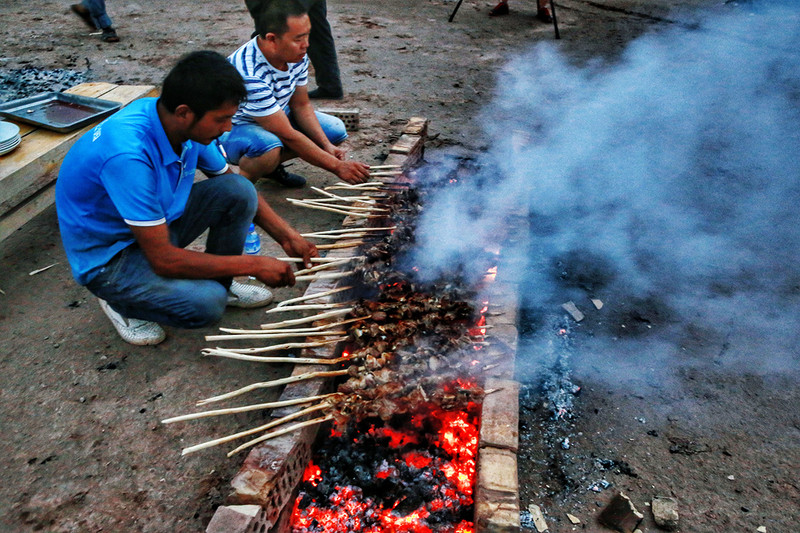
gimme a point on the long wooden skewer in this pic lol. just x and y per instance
(332, 210)
(317, 259)
(280, 432)
(274, 383)
(276, 360)
(322, 329)
(314, 296)
(356, 186)
(336, 196)
(225, 352)
(340, 231)
(307, 307)
(348, 244)
(306, 320)
(279, 334)
(331, 275)
(322, 266)
(278, 422)
(246, 408)
(307, 360)
(386, 173)
(355, 235)
(382, 167)
(323, 203)
(341, 188)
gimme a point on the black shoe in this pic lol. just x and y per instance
(325, 94)
(110, 35)
(287, 179)
(83, 13)
(543, 14)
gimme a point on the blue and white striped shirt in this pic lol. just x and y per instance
(268, 89)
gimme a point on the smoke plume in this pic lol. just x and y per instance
(666, 184)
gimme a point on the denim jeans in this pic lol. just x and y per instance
(225, 205)
(97, 10)
(251, 140)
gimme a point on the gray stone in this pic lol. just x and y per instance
(665, 512)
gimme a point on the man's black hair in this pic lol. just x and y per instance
(274, 17)
(204, 81)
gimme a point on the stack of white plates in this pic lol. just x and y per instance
(9, 137)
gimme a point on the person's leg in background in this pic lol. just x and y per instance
(93, 13)
(322, 53)
(542, 10)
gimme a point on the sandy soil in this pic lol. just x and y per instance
(83, 446)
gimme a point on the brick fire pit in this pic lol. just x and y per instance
(265, 487)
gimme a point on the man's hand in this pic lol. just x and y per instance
(273, 272)
(352, 171)
(337, 152)
(296, 246)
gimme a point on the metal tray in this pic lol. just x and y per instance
(62, 112)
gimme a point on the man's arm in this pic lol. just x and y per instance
(289, 238)
(173, 262)
(306, 119)
(278, 124)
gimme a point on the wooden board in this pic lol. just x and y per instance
(27, 172)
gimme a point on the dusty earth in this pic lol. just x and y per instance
(83, 449)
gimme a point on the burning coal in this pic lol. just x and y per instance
(413, 473)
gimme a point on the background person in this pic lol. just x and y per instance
(278, 121)
(321, 47)
(93, 13)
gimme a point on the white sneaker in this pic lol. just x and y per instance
(133, 330)
(248, 296)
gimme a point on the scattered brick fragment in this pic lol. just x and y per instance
(620, 514)
(538, 518)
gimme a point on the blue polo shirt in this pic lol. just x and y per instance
(121, 173)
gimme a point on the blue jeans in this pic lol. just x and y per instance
(225, 205)
(97, 10)
(251, 140)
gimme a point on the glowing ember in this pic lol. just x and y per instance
(415, 476)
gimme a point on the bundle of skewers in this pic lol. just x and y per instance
(406, 348)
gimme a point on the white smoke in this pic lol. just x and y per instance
(675, 171)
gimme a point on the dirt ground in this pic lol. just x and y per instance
(83, 446)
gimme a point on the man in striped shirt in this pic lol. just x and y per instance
(278, 121)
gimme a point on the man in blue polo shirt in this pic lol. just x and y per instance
(127, 206)
(278, 121)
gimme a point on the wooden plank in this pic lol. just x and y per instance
(92, 89)
(36, 161)
(24, 212)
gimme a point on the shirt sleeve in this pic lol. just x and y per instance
(132, 185)
(211, 161)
